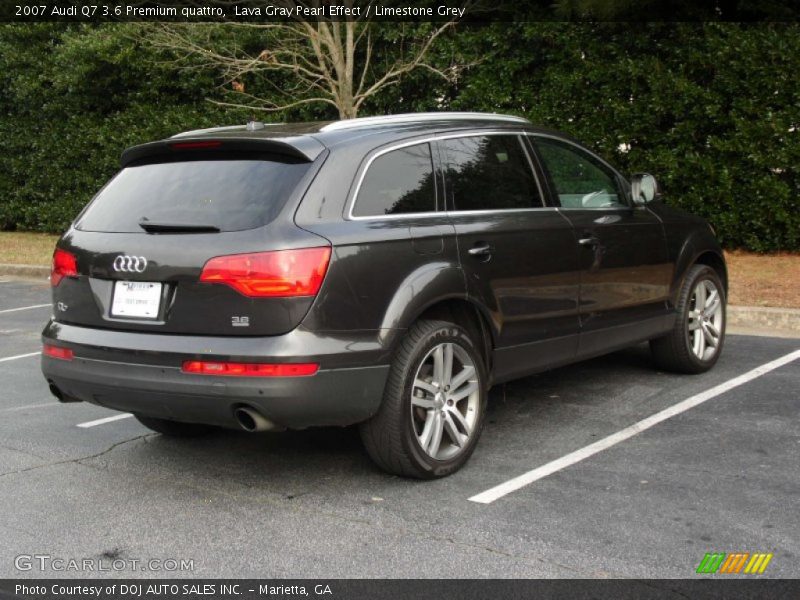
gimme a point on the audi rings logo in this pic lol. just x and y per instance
(130, 264)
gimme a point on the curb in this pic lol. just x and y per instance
(749, 317)
(764, 317)
(34, 271)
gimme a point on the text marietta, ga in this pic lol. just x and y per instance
(170, 590)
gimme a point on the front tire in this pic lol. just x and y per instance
(433, 406)
(696, 340)
(174, 428)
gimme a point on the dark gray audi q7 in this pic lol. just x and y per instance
(383, 271)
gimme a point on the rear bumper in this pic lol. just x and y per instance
(141, 373)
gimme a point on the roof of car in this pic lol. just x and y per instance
(332, 132)
(434, 120)
(307, 140)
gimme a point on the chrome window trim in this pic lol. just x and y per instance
(351, 202)
(626, 206)
(499, 211)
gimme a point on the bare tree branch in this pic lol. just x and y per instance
(270, 108)
(401, 67)
(302, 62)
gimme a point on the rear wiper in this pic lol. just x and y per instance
(151, 227)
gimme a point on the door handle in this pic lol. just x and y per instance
(483, 250)
(608, 219)
(589, 241)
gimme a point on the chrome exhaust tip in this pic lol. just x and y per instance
(251, 420)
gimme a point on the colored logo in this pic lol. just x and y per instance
(735, 563)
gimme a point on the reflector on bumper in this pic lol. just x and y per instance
(234, 369)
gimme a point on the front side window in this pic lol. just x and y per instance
(398, 182)
(489, 172)
(581, 180)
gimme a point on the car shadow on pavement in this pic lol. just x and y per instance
(329, 457)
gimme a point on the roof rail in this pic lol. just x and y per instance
(418, 117)
(194, 132)
(208, 130)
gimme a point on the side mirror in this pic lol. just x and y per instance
(644, 188)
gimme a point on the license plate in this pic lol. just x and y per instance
(136, 299)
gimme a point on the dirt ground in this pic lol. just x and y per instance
(764, 279)
(755, 279)
(21, 248)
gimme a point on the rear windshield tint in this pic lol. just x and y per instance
(231, 195)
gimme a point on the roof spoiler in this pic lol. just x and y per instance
(303, 148)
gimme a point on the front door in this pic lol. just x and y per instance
(624, 265)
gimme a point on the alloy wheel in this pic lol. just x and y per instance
(445, 401)
(705, 320)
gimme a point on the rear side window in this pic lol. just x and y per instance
(489, 172)
(231, 195)
(398, 182)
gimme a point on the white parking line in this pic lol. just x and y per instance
(8, 310)
(106, 420)
(521, 481)
(27, 406)
(7, 358)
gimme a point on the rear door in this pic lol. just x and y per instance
(518, 253)
(624, 266)
(394, 245)
(142, 244)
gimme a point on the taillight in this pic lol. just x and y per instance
(279, 273)
(56, 352)
(64, 265)
(235, 369)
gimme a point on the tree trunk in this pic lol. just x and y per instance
(347, 108)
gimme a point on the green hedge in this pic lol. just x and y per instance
(71, 99)
(713, 110)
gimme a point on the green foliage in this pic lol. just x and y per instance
(71, 99)
(713, 110)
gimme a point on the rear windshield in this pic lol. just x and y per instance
(230, 195)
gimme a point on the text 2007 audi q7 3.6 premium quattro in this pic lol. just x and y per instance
(382, 271)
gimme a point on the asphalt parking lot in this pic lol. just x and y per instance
(723, 476)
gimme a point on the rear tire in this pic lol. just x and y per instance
(174, 428)
(433, 406)
(696, 340)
